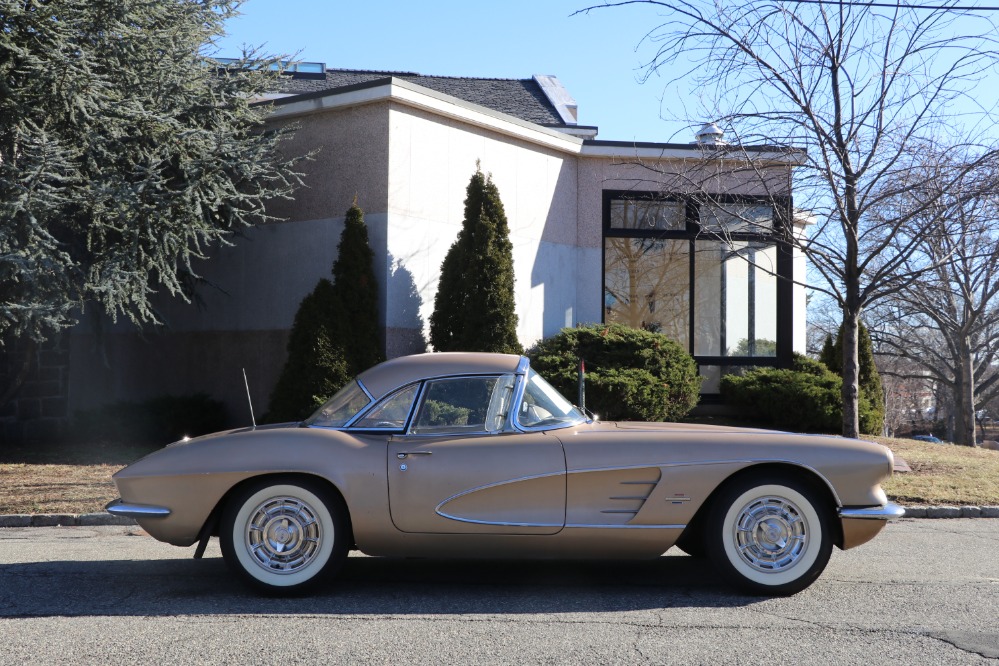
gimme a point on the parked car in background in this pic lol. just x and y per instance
(927, 438)
(476, 455)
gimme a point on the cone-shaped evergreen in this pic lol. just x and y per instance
(316, 367)
(474, 307)
(335, 335)
(356, 292)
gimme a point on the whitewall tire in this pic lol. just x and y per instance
(770, 534)
(284, 536)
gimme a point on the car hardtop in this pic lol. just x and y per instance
(390, 375)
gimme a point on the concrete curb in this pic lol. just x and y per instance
(63, 520)
(99, 519)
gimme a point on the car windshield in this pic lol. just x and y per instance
(339, 409)
(544, 407)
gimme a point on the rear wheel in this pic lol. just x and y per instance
(770, 534)
(284, 536)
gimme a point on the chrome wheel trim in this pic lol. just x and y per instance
(803, 558)
(283, 535)
(771, 534)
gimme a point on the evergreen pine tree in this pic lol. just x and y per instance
(316, 367)
(474, 307)
(356, 295)
(124, 154)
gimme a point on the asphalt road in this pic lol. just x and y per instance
(924, 592)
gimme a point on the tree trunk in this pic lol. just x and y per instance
(851, 374)
(964, 397)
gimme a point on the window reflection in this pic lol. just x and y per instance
(647, 284)
(648, 215)
(735, 301)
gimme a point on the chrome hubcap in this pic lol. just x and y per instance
(771, 534)
(283, 535)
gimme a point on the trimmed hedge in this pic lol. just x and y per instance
(631, 374)
(806, 398)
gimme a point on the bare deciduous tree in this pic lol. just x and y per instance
(864, 90)
(948, 322)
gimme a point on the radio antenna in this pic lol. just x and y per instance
(249, 399)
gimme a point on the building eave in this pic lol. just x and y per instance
(670, 151)
(415, 96)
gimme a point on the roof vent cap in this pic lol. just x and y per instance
(710, 135)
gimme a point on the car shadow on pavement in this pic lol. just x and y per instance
(366, 585)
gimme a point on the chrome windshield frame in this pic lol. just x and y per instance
(523, 375)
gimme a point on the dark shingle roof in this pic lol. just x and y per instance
(522, 98)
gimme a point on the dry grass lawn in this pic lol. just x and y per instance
(26, 488)
(940, 475)
(943, 474)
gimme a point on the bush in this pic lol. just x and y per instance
(160, 420)
(806, 398)
(631, 374)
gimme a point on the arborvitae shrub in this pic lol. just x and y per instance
(631, 374)
(356, 295)
(336, 334)
(474, 307)
(316, 367)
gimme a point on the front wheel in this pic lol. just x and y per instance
(282, 536)
(770, 534)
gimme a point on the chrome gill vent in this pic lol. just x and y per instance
(633, 492)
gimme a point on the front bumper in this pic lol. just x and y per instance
(119, 508)
(860, 525)
(889, 511)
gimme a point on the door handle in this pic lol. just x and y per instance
(402, 454)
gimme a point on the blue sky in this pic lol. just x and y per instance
(596, 56)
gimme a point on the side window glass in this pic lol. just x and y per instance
(465, 405)
(392, 412)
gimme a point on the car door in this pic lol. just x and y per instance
(459, 469)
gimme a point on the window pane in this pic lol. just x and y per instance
(648, 215)
(647, 285)
(735, 299)
(392, 413)
(712, 375)
(458, 405)
(340, 408)
(737, 218)
(543, 406)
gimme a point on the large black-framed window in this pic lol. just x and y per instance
(714, 273)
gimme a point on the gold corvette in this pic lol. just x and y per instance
(475, 455)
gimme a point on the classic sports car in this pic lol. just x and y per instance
(464, 454)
